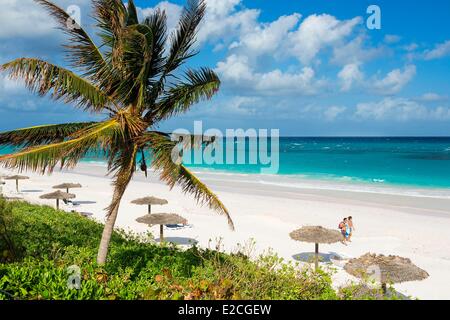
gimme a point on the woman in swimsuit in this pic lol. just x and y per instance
(343, 226)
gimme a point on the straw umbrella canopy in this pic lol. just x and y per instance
(67, 186)
(161, 219)
(316, 235)
(387, 269)
(17, 178)
(150, 201)
(58, 195)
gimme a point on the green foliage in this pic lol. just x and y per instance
(48, 243)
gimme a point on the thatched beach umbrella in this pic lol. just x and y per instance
(161, 219)
(316, 235)
(150, 201)
(17, 178)
(387, 269)
(58, 195)
(67, 186)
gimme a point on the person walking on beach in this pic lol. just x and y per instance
(343, 226)
(351, 228)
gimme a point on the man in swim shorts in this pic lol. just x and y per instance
(351, 227)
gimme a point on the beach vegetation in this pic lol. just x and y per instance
(55, 258)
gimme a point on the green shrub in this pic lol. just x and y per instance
(48, 243)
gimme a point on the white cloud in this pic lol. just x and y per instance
(237, 72)
(355, 51)
(333, 112)
(27, 19)
(23, 18)
(392, 38)
(440, 50)
(173, 12)
(394, 81)
(12, 93)
(431, 97)
(9, 86)
(411, 47)
(223, 21)
(400, 109)
(267, 38)
(317, 32)
(349, 75)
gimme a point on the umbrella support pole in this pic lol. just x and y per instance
(316, 257)
(384, 288)
(57, 204)
(161, 234)
(17, 186)
(149, 209)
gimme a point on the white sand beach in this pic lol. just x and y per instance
(411, 223)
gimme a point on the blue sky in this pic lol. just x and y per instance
(306, 67)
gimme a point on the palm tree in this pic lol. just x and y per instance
(133, 79)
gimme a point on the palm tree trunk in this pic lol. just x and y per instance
(316, 257)
(107, 230)
(123, 178)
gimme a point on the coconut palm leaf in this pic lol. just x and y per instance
(132, 16)
(46, 157)
(39, 135)
(181, 42)
(198, 85)
(184, 37)
(43, 77)
(167, 160)
(82, 52)
(157, 22)
(111, 16)
(137, 56)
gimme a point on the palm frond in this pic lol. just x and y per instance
(167, 161)
(83, 53)
(43, 77)
(137, 55)
(46, 157)
(185, 35)
(191, 184)
(198, 85)
(157, 22)
(111, 18)
(132, 16)
(40, 135)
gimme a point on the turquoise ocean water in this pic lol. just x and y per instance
(420, 162)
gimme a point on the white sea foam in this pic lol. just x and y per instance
(344, 183)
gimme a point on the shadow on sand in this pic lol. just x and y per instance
(180, 240)
(32, 191)
(323, 257)
(77, 203)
